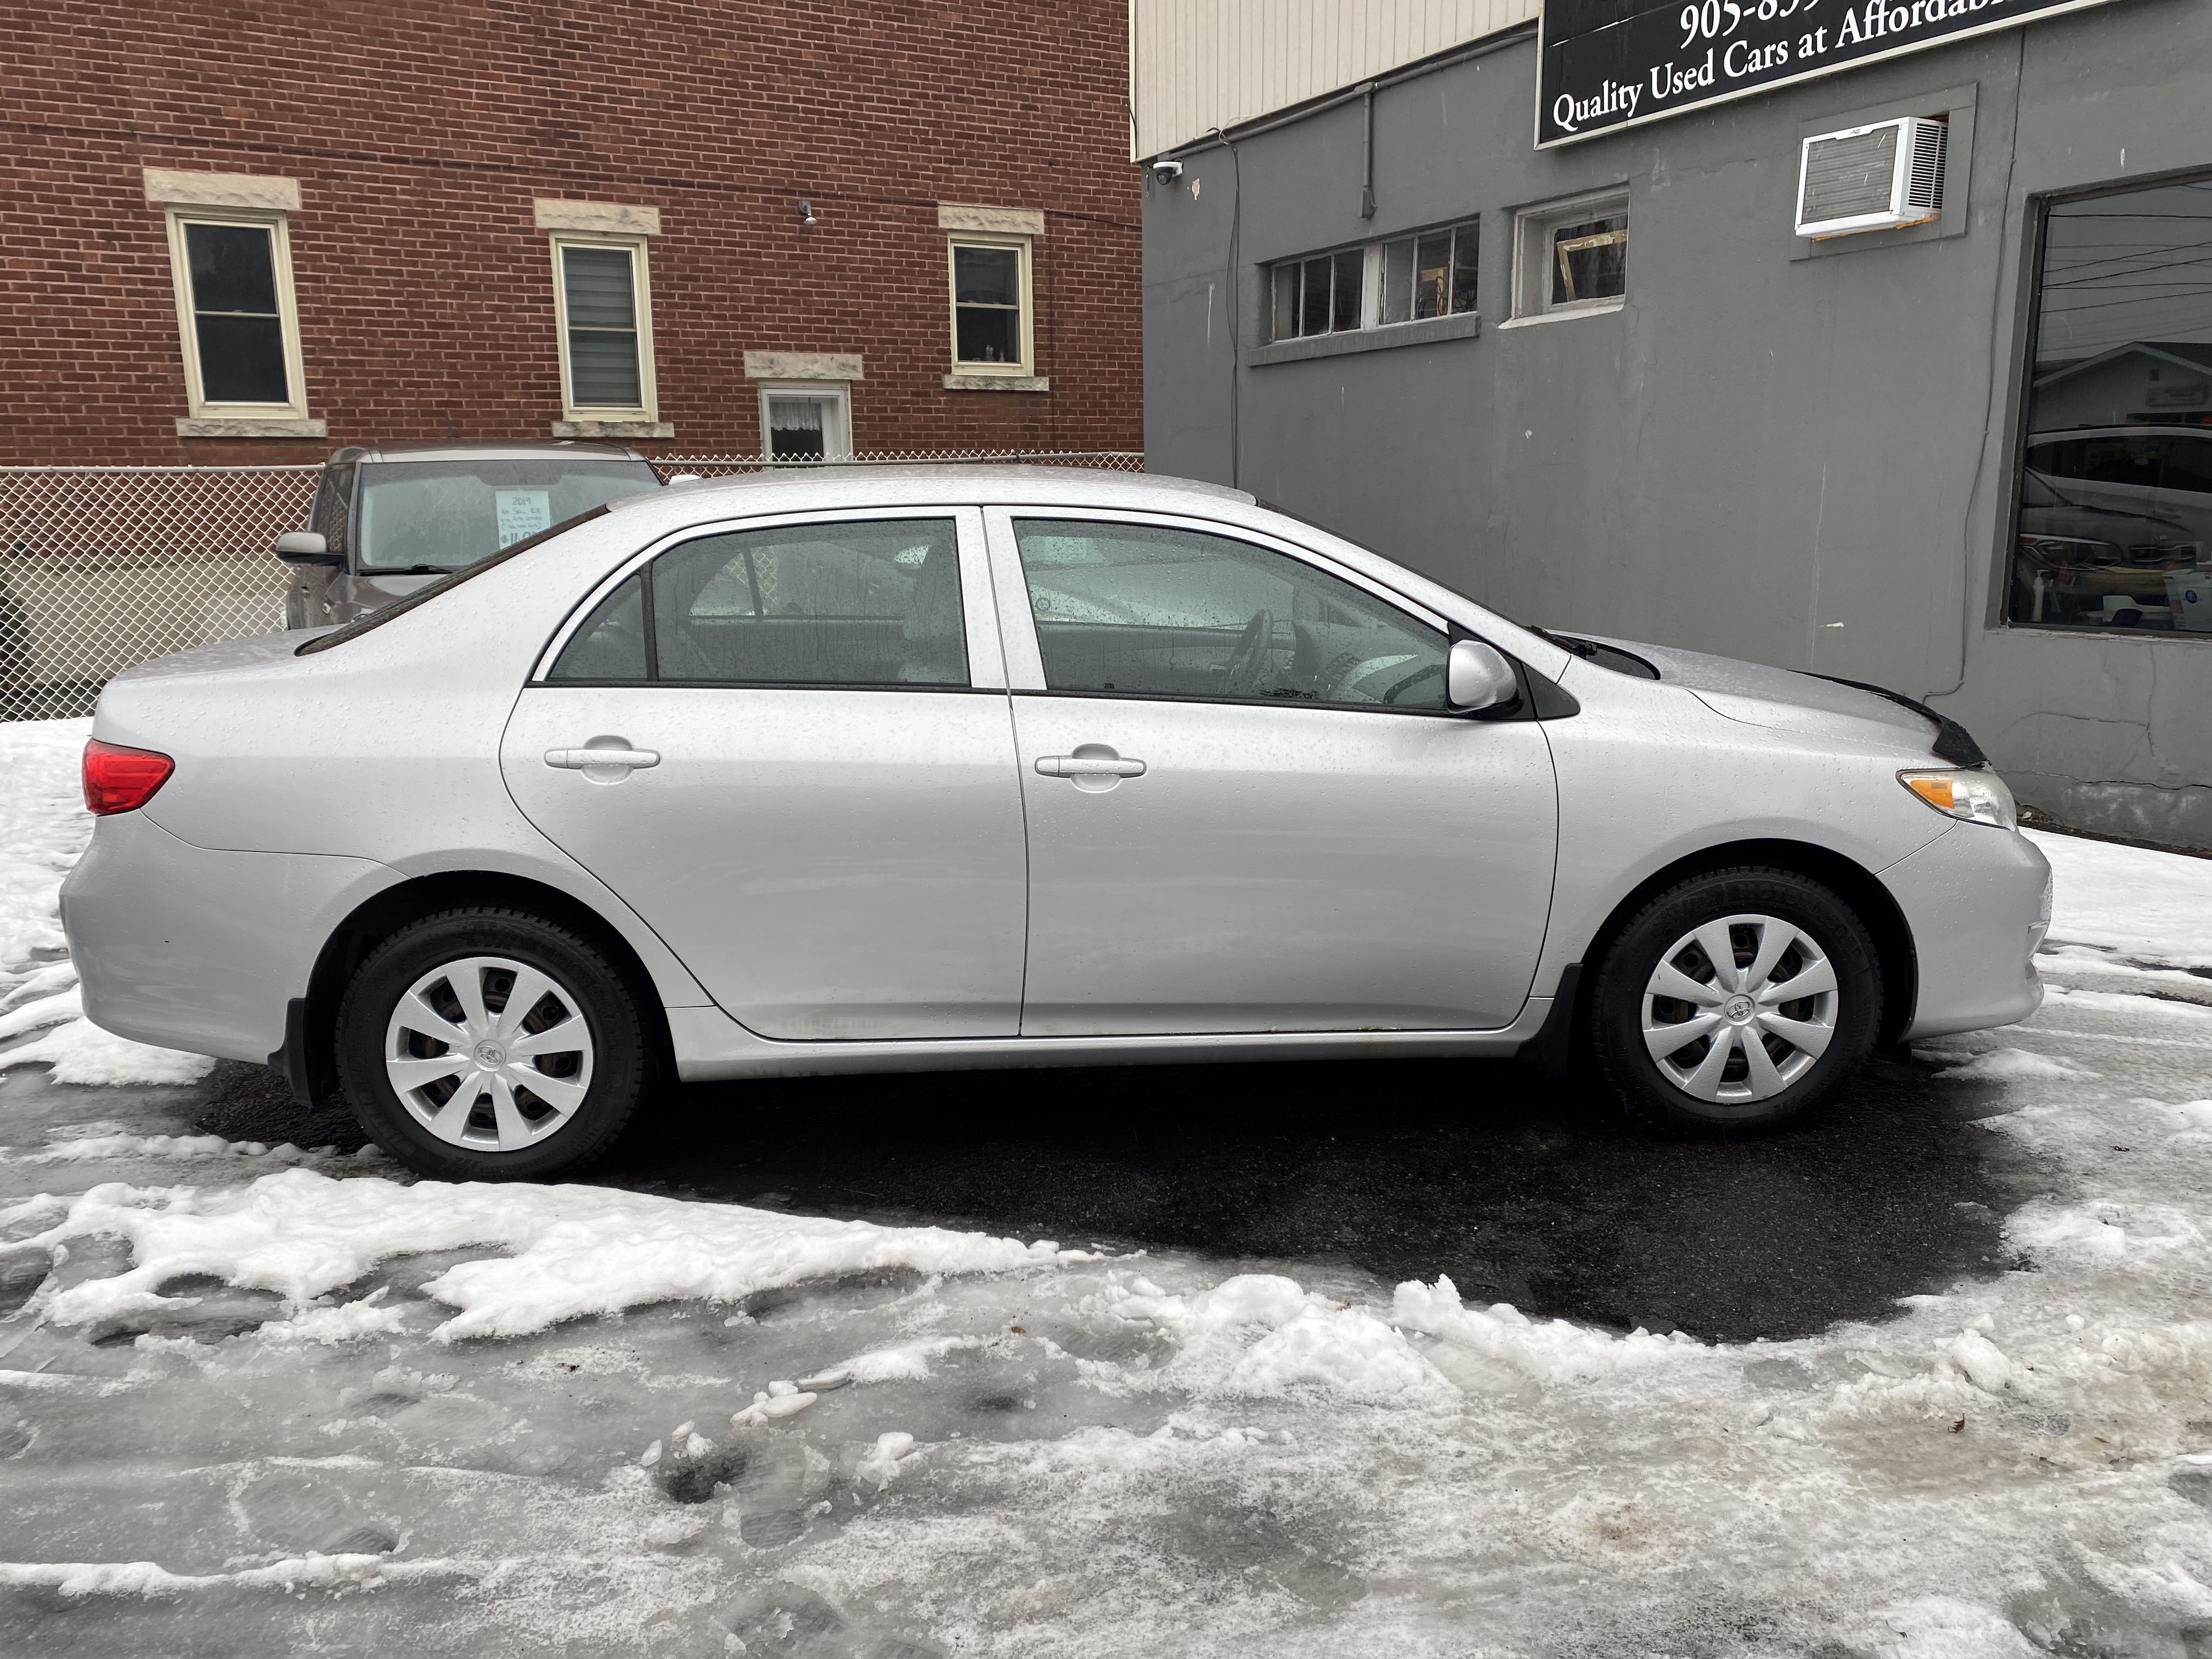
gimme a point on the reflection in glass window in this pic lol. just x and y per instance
(2115, 509)
(876, 603)
(1175, 613)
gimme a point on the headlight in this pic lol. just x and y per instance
(1978, 796)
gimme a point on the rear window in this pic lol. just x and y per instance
(443, 515)
(375, 619)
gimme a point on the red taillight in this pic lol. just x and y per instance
(119, 780)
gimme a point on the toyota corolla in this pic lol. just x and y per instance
(909, 768)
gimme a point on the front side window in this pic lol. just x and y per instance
(874, 604)
(1144, 610)
(235, 306)
(990, 323)
(423, 516)
(1403, 279)
(2115, 506)
(1571, 256)
(606, 328)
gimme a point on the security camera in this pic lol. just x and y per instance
(1167, 172)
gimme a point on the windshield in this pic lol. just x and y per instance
(445, 515)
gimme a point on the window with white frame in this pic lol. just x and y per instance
(1399, 279)
(1572, 256)
(604, 313)
(807, 421)
(992, 331)
(241, 325)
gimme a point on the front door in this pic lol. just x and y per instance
(1248, 807)
(786, 748)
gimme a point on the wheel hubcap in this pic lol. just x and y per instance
(1740, 1009)
(489, 1053)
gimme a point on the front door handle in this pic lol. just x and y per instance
(583, 759)
(1088, 766)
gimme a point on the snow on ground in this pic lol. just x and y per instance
(258, 1400)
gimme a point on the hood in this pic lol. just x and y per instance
(1783, 699)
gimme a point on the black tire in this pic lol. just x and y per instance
(1617, 1006)
(617, 1066)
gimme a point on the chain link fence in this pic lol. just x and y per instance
(104, 567)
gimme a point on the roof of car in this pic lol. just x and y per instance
(964, 482)
(518, 451)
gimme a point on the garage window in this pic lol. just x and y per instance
(1570, 257)
(1401, 279)
(2114, 514)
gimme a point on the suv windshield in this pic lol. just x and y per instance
(444, 515)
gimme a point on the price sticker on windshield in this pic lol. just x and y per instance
(522, 513)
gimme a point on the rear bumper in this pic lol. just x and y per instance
(194, 949)
(1977, 899)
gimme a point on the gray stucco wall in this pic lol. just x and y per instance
(1798, 454)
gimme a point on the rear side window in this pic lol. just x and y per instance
(1147, 611)
(874, 603)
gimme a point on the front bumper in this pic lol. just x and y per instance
(1977, 900)
(190, 948)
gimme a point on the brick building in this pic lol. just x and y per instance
(237, 232)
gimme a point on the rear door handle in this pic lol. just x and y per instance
(577, 760)
(1085, 766)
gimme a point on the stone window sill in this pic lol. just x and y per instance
(249, 427)
(1566, 314)
(998, 383)
(1382, 338)
(613, 430)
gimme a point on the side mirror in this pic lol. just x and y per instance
(306, 547)
(1477, 678)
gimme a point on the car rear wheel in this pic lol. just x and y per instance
(1743, 999)
(491, 1045)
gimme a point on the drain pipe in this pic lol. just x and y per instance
(1367, 154)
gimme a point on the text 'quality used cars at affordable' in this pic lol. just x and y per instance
(911, 769)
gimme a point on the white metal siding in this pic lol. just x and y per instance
(1200, 64)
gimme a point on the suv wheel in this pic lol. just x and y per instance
(491, 1045)
(1744, 999)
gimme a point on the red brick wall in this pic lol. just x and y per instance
(420, 131)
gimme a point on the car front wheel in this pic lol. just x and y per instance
(491, 1045)
(1742, 999)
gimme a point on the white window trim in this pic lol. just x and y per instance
(1532, 246)
(837, 445)
(288, 312)
(648, 409)
(1024, 370)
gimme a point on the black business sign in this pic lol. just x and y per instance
(1605, 64)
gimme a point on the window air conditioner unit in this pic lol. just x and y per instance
(1873, 178)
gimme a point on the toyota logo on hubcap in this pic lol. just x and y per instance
(490, 1055)
(1739, 1009)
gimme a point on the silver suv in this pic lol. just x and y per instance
(392, 520)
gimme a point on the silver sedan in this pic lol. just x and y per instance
(908, 768)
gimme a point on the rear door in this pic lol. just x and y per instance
(787, 747)
(1248, 807)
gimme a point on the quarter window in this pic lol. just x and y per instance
(876, 603)
(1572, 256)
(1146, 611)
(606, 328)
(1402, 280)
(240, 326)
(992, 330)
(2115, 509)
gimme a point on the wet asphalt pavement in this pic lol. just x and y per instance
(1521, 1190)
